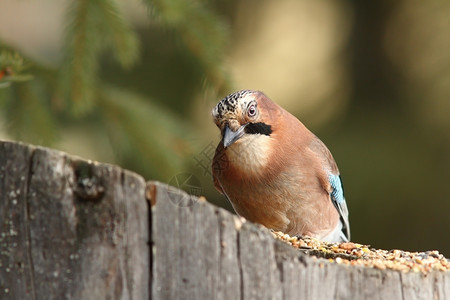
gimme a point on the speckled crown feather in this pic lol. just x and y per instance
(229, 103)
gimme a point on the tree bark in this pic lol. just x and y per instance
(70, 228)
(76, 229)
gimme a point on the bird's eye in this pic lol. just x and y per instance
(251, 112)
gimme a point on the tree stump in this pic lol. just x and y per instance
(76, 229)
(70, 228)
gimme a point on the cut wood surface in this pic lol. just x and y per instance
(70, 228)
(192, 248)
(75, 229)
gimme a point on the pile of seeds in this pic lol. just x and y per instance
(362, 255)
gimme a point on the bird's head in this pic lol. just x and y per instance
(242, 113)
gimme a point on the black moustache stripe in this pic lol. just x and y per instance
(258, 128)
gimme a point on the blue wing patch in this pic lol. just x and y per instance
(337, 194)
(337, 197)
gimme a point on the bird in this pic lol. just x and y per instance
(276, 172)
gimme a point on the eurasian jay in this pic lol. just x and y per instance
(276, 172)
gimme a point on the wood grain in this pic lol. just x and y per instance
(63, 239)
(76, 229)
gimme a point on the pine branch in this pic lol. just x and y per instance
(202, 32)
(12, 67)
(138, 127)
(83, 47)
(123, 40)
(27, 113)
(94, 27)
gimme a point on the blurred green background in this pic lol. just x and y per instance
(133, 82)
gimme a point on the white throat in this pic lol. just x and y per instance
(250, 153)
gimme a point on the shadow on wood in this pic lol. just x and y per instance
(74, 229)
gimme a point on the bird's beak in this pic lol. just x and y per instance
(230, 136)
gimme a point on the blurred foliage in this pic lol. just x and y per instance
(144, 136)
(12, 67)
(93, 27)
(198, 27)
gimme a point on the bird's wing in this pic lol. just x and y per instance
(334, 187)
(337, 197)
